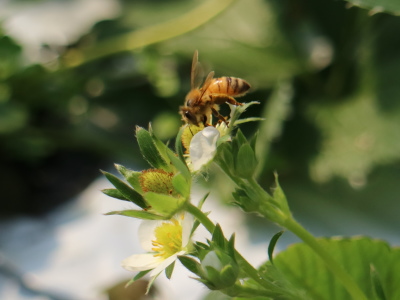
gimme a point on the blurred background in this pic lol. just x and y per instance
(77, 76)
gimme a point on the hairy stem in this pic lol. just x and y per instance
(244, 264)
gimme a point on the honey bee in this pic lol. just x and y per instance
(202, 102)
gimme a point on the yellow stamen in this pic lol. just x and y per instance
(168, 239)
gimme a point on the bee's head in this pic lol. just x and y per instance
(188, 115)
(192, 98)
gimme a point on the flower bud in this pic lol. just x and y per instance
(157, 181)
(220, 271)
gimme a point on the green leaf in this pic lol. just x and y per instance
(246, 162)
(126, 190)
(164, 204)
(138, 214)
(272, 244)
(190, 263)
(169, 270)
(376, 6)
(376, 283)
(150, 151)
(307, 271)
(131, 176)
(114, 193)
(218, 237)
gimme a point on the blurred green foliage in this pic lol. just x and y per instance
(326, 75)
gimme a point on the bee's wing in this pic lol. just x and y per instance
(206, 84)
(197, 72)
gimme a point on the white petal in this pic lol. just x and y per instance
(141, 262)
(203, 147)
(146, 233)
(164, 264)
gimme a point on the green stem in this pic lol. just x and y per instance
(150, 35)
(348, 282)
(245, 265)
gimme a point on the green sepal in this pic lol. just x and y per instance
(253, 141)
(239, 110)
(246, 161)
(240, 138)
(376, 284)
(179, 146)
(272, 245)
(190, 263)
(140, 275)
(245, 202)
(237, 142)
(231, 247)
(164, 205)
(208, 284)
(149, 150)
(279, 196)
(114, 193)
(202, 200)
(218, 237)
(126, 191)
(223, 139)
(246, 120)
(169, 270)
(138, 214)
(161, 147)
(213, 277)
(228, 275)
(131, 176)
(224, 158)
(179, 165)
(181, 185)
(202, 245)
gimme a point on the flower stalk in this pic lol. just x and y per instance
(246, 267)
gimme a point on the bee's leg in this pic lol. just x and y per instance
(232, 101)
(205, 121)
(219, 116)
(220, 99)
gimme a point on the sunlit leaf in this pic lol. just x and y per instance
(306, 271)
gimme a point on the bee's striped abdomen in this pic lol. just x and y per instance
(231, 86)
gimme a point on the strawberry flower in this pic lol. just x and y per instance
(164, 241)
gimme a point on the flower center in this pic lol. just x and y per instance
(168, 239)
